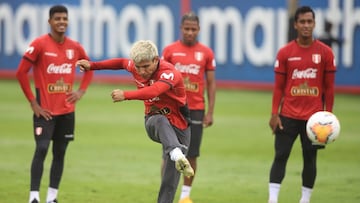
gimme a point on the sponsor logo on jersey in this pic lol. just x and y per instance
(166, 76)
(189, 68)
(64, 68)
(304, 74)
(70, 53)
(316, 58)
(276, 65)
(179, 54)
(59, 87)
(191, 86)
(294, 58)
(304, 90)
(30, 50)
(50, 54)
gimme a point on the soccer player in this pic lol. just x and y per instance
(52, 57)
(167, 117)
(196, 63)
(304, 84)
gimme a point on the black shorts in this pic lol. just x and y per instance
(60, 127)
(291, 129)
(197, 117)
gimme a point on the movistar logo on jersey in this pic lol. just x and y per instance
(169, 76)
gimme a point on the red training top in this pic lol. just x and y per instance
(54, 72)
(192, 62)
(304, 80)
(165, 88)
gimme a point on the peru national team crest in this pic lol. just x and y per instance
(199, 56)
(70, 53)
(316, 58)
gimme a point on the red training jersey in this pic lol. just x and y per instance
(164, 90)
(304, 80)
(54, 70)
(192, 62)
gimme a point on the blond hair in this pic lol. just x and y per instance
(143, 50)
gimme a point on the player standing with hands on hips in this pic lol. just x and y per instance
(167, 117)
(304, 84)
(196, 63)
(52, 57)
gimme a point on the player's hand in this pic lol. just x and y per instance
(38, 111)
(208, 120)
(83, 64)
(73, 97)
(117, 95)
(275, 122)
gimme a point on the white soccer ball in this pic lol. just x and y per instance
(323, 127)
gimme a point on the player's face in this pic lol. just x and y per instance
(59, 22)
(305, 25)
(190, 30)
(146, 68)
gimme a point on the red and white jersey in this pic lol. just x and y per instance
(192, 62)
(305, 75)
(54, 71)
(164, 90)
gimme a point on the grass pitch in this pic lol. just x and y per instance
(113, 160)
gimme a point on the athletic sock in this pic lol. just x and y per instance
(51, 194)
(185, 191)
(176, 154)
(34, 195)
(305, 194)
(274, 189)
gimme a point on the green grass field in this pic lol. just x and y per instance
(113, 160)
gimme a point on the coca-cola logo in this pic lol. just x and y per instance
(64, 68)
(304, 74)
(190, 69)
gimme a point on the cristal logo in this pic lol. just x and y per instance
(60, 69)
(304, 74)
(191, 68)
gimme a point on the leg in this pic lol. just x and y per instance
(43, 132)
(309, 152)
(37, 165)
(197, 117)
(57, 165)
(169, 181)
(160, 130)
(64, 133)
(284, 140)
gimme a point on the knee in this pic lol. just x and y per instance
(282, 156)
(41, 150)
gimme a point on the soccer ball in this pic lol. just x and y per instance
(323, 127)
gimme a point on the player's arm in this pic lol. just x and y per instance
(109, 64)
(145, 93)
(22, 76)
(329, 92)
(280, 80)
(329, 81)
(211, 94)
